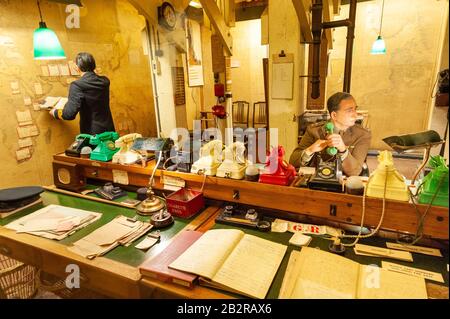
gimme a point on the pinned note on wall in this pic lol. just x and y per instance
(282, 76)
(23, 154)
(53, 69)
(27, 101)
(15, 88)
(64, 70)
(25, 142)
(44, 70)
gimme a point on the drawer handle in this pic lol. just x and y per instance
(5, 250)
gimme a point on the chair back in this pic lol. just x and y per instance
(240, 113)
(260, 114)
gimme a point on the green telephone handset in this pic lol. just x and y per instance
(329, 128)
(105, 146)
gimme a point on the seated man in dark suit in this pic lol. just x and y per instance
(352, 141)
(89, 96)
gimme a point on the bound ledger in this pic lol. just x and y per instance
(158, 266)
(312, 273)
(231, 260)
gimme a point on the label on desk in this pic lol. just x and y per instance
(172, 181)
(416, 249)
(367, 250)
(425, 274)
(120, 177)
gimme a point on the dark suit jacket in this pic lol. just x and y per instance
(356, 138)
(89, 95)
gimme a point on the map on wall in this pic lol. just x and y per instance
(194, 53)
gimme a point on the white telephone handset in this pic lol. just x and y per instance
(125, 155)
(211, 155)
(234, 164)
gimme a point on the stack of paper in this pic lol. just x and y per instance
(54, 102)
(54, 221)
(120, 231)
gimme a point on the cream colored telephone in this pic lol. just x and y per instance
(386, 175)
(211, 155)
(126, 155)
(234, 164)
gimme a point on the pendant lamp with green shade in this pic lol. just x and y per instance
(379, 46)
(45, 42)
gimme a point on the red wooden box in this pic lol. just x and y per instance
(185, 202)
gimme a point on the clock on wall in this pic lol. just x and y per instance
(167, 16)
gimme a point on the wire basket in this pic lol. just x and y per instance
(17, 280)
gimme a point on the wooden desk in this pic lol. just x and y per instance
(115, 274)
(333, 207)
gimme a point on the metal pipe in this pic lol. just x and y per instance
(316, 30)
(349, 48)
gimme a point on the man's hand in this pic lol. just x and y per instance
(318, 146)
(336, 141)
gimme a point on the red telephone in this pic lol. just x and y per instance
(277, 170)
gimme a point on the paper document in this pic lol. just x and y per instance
(54, 221)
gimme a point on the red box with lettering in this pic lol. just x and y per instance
(185, 202)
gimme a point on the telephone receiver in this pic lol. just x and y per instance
(125, 154)
(125, 142)
(235, 152)
(81, 140)
(329, 128)
(211, 155)
(212, 149)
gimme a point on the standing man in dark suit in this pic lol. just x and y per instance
(89, 96)
(351, 140)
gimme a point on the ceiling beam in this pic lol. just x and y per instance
(217, 20)
(303, 18)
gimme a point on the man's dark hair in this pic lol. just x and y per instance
(85, 62)
(335, 99)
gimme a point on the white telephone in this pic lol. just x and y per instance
(211, 155)
(125, 155)
(234, 164)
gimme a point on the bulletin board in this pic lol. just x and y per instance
(282, 76)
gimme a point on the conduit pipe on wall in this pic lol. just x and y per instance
(316, 29)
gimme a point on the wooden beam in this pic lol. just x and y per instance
(327, 15)
(230, 13)
(217, 20)
(336, 6)
(303, 18)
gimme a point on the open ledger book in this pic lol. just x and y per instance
(231, 260)
(312, 273)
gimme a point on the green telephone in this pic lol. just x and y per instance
(329, 128)
(106, 147)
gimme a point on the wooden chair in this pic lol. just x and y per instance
(207, 120)
(260, 115)
(240, 114)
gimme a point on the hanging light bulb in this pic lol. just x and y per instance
(45, 42)
(379, 47)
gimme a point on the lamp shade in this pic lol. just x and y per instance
(378, 47)
(46, 44)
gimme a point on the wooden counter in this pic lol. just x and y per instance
(336, 207)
